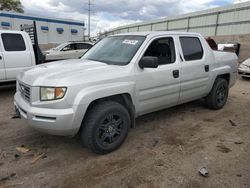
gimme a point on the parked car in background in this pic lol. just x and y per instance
(67, 50)
(120, 78)
(244, 69)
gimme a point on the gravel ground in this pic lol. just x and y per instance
(166, 149)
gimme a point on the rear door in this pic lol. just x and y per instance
(194, 69)
(16, 54)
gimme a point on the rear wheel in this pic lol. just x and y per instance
(105, 127)
(217, 98)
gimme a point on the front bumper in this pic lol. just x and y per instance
(50, 121)
(244, 72)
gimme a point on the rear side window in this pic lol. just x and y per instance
(83, 46)
(192, 48)
(13, 42)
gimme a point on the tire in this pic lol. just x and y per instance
(217, 97)
(105, 127)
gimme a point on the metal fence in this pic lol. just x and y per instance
(228, 20)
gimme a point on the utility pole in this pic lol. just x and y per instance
(89, 20)
(89, 10)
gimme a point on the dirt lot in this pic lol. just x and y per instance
(166, 149)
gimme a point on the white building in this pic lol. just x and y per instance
(51, 31)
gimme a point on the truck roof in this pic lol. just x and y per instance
(11, 31)
(156, 33)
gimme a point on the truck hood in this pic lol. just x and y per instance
(69, 72)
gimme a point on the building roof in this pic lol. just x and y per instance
(40, 18)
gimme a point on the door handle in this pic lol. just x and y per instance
(176, 73)
(206, 68)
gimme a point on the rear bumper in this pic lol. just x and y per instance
(50, 121)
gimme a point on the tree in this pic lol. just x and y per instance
(11, 5)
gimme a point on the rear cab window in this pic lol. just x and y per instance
(13, 42)
(192, 48)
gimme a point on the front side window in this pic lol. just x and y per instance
(13, 42)
(192, 48)
(163, 49)
(69, 47)
(116, 50)
(60, 47)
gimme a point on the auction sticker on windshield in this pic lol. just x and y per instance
(131, 42)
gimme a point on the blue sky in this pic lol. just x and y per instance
(221, 3)
(106, 14)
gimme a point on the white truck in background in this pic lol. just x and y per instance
(19, 51)
(16, 54)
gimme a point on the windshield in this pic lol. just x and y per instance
(116, 50)
(60, 47)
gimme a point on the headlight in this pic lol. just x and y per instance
(52, 93)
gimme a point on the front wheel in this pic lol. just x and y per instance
(105, 127)
(217, 98)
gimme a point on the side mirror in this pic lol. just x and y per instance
(148, 62)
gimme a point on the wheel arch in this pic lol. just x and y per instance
(225, 76)
(125, 99)
(224, 73)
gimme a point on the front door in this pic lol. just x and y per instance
(158, 88)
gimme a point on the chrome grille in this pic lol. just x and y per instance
(25, 91)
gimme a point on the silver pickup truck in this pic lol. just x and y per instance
(120, 78)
